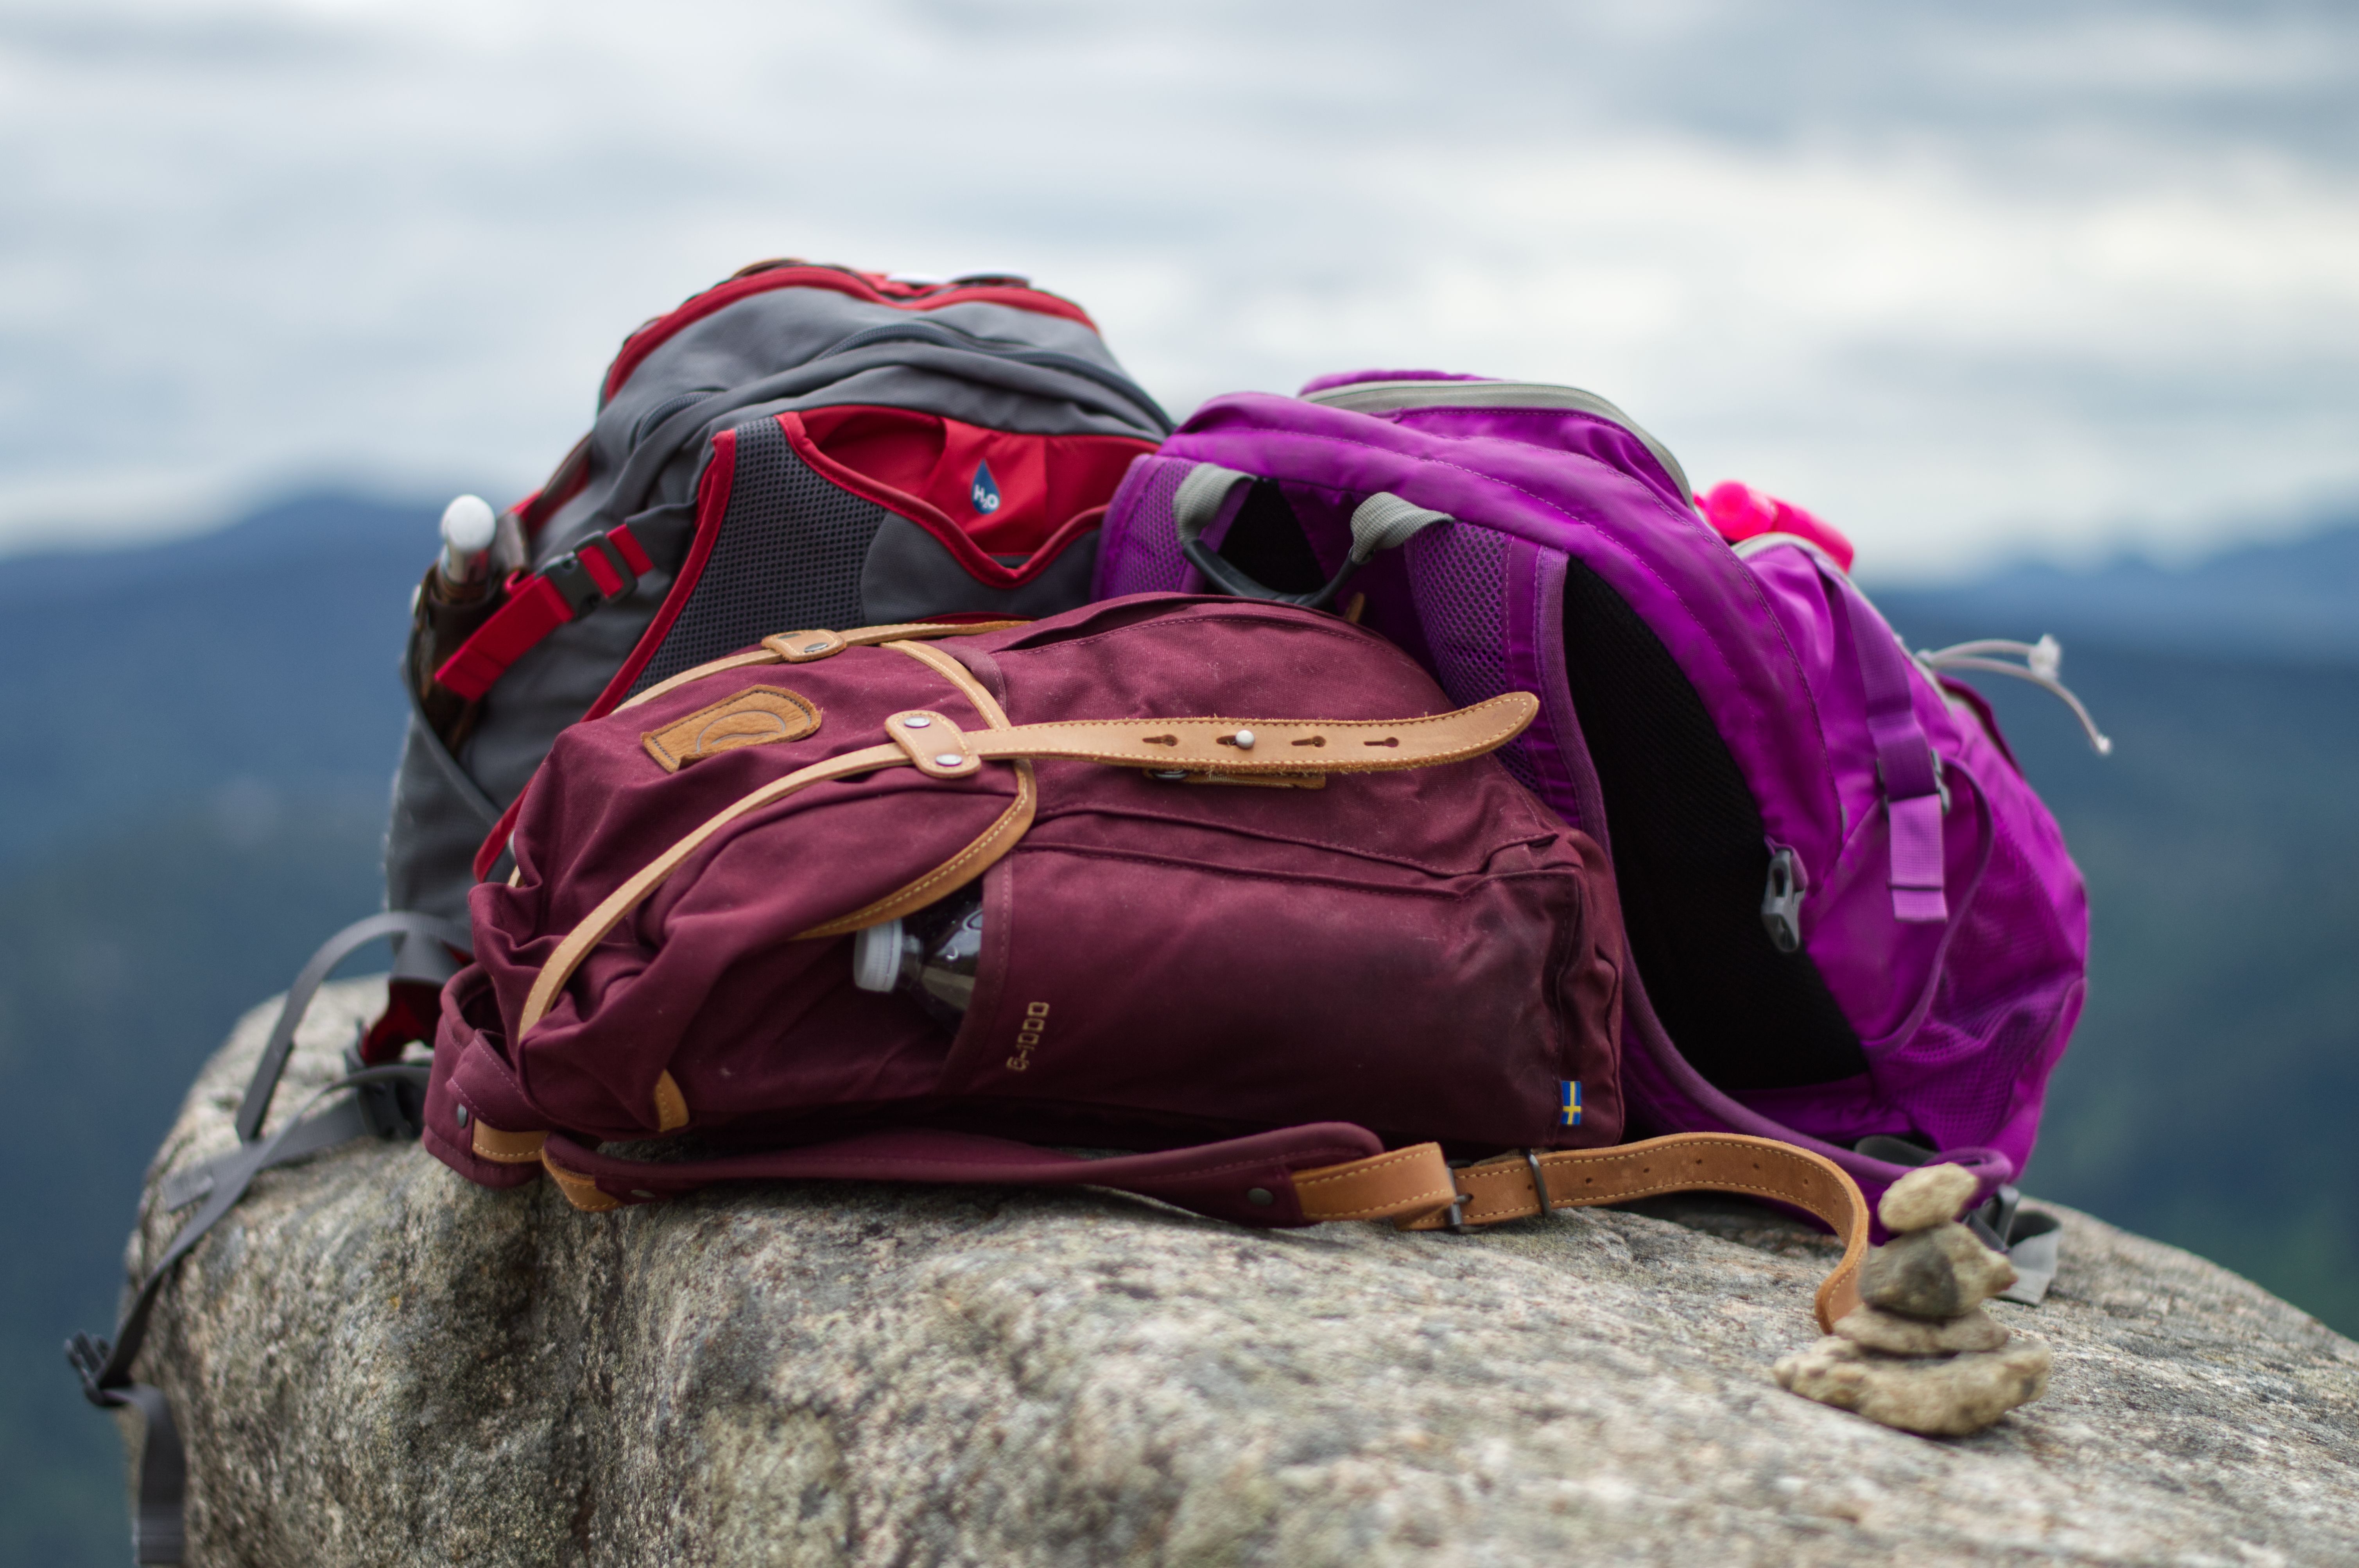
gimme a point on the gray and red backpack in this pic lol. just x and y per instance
(801, 446)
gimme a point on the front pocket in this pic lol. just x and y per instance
(1248, 999)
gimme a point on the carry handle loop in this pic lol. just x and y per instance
(1417, 1191)
(1382, 522)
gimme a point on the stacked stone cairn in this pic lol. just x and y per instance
(1921, 1355)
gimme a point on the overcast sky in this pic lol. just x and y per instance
(1969, 280)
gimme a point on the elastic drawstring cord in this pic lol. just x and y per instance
(2042, 661)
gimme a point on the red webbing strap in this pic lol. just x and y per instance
(535, 608)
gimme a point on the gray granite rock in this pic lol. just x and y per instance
(1942, 1272)
(377, 1363)
(1872, 1328)
(1941, 1396)
(1925, 1198)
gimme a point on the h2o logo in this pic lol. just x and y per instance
(986, 494)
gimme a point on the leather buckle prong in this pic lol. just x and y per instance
(1539, 1182)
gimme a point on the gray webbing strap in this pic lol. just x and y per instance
(325, 1131)
(1386, 522)
(1198, 502)
(252, 1110)
(1382, 521)
(106, 1365)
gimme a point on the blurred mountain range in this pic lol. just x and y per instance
(201, 733)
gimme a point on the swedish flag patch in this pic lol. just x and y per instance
(1569, 1101)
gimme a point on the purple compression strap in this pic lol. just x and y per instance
(1215, 1179)
(1904, 761)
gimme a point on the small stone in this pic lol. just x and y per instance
(1925, 1198)
(1875, 1329)
(1947, 1397)
(1939, 1273)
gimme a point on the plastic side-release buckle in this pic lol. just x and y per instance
(1781, 901)
(599, 571)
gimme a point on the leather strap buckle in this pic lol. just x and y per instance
(1455, 1220)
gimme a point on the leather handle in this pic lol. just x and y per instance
(1414, 1188)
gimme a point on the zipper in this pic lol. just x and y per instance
(1387, 396)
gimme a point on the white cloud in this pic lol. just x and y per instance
(1959, 280)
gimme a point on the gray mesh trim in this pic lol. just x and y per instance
(789, 556)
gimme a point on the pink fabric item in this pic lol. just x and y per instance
(1739, 511)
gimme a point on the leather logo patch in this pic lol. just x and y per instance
(757, 715)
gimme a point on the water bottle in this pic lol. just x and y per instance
(930, 957)
(463, 572)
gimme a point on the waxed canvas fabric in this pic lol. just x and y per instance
(1428, 953)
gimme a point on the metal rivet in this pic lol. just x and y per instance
(947, 760)
(1244, 739)
(641, 1193)
(1260, 1198)
(916, 721)
(462, 1114)
(814, 647)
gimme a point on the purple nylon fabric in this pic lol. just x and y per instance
(1954, 940)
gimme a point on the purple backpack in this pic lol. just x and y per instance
(1854, 926)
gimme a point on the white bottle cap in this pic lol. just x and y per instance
(877, 956)
(468, 524)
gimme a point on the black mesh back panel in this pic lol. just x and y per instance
(788, 558)
(1691, 857)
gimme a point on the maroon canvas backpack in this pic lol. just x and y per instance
(1255, 900)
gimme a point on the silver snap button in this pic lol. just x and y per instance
(916, 721)
(1245, 739)
(1260, 1198)
(460, 1112)
(948, 760)
(814, 647)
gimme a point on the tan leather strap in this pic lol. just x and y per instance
(582, 1192)
(506, 1148)
(1414, 1188)
(978, 857)
(1175, 743)
(804, 647)
(1283, 746)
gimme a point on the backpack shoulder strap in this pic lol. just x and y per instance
(1417, 1191)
